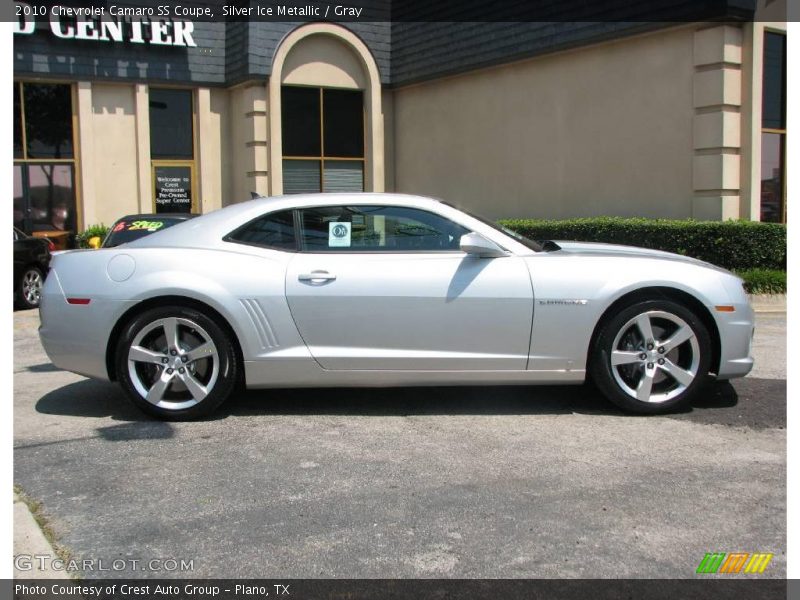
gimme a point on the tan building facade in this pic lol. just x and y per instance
(663, 123)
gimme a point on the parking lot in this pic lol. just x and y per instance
(419, 482)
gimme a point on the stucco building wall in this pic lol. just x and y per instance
(600, 130)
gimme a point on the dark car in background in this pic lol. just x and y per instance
(31, 262)
(133, 227)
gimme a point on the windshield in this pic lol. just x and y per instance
(128, 230)
(528, 243)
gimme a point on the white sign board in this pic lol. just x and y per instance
(339, 235)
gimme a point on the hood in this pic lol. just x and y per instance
(599, 249)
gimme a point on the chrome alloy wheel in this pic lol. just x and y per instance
(173, 363)
(655, 356)
(32, 287)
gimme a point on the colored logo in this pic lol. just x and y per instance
(734, 562)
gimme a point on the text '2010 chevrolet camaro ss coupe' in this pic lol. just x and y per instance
(383, 289)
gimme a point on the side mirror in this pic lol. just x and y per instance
(477, 245)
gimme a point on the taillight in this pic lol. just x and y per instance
(50, 245)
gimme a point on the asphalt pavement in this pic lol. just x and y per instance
(490, 482)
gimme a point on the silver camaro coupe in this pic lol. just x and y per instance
(386, 290)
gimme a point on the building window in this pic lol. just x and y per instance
(323, 140)
(172, 150)
(44, 159)
(773, 129)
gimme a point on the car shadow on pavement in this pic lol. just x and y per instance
(750, 402)
(43, 368)
(403, 401)
(98, 399)
(90, 398)
(717, 402)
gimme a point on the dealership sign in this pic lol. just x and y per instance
(101, 25)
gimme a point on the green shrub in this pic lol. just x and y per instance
(763, 281)
(82, 239)
(729, 244)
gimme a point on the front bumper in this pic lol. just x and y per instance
(736, 341)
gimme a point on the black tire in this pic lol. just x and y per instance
(672, 372)
(177, 386)
(29, 288)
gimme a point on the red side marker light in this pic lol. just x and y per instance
(78, 300)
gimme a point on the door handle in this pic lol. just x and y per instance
(316, 276)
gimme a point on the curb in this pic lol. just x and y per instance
(768, 303)
(30, 541)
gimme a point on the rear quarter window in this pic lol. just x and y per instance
(274, 230)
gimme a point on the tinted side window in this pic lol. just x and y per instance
(376, 229)
(275, 230)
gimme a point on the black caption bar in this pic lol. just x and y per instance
(394, 589)
(550, 11)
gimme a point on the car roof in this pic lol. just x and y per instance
(209, 229)
(182, 216)
(329, 199)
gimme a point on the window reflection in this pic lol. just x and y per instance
(773, 126)
(17, 123)
(19, 198)
(772, 177)
(50, 188)
(171, 124)
(320, 129)
(48, 120)
(44, 168)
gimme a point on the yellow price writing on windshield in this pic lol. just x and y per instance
(149, 225)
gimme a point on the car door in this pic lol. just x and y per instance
(386, 287)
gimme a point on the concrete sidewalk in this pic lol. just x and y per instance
(765, 303)
(30, 542)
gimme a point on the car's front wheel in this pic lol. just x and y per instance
(652, 357)
(176, 363)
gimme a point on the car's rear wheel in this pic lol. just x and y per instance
(176, 363)
(652, 357)
(30, 288)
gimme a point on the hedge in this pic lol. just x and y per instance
(763, 281)
(735, 245)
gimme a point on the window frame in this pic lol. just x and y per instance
(192, 119)
(322, 158)
(773, 130)
(298, 232)
(176, 162)
(24, 161)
